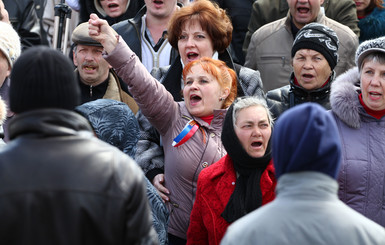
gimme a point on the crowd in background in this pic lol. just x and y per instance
(192, 121)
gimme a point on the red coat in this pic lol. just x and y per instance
(216, 183)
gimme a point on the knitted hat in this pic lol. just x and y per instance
(9, 42)
(320, 38)
(306, 138)
(80, 36)
(368, 47)
(43, 78)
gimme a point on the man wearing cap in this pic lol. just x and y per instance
(270, 46)
(314, 58)
(306, 210)
(59, 184)
(10, 49)
(96, 78)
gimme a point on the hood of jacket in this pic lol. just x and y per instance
(344, 98)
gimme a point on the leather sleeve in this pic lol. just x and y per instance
(24, 20)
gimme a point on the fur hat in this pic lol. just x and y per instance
(306, 138)
(320, 38)
(368, 47)
(9, 42)
(43, 78)
(80, 36)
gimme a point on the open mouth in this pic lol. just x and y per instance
(256, 144)
(195, 99)
(375, 94)
(192, 55)
(113, 5)
(307, 76)
(89, 68)
(302, 10)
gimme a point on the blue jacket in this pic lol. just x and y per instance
(373, 25)
(114, 123)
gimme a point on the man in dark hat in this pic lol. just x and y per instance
(96, 78)
(59, 184)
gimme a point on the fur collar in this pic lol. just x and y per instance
(344, 98)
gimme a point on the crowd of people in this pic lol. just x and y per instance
(193, 122)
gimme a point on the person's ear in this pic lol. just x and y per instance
(225, 93)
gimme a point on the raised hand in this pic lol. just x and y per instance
(102, 32)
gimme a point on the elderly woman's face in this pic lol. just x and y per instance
(202, 92)
(114, 8)
(194, 43)
(373, 85)
(311, 69)
(253, 130)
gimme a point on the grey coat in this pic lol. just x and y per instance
(305, 211)
(362, 173)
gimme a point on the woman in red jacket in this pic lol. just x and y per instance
(242, 180)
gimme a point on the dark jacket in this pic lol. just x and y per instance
(239, 12)
(61, 185)
(23, 16)
(286, 97)
(130, 32)
(88, 7)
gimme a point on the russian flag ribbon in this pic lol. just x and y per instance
(188, 131)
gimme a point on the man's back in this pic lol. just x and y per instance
(306, 211)
(61, 185)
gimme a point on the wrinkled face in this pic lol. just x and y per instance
(5, 68)
(194, 43)
(114, 8)
(160, 8)
(202, 92)
(3, 13)
(304, 11)
(373, 85)
(311, 69)
(93, 68)
(361, 5)
(253, 130)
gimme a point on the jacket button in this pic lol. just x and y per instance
(205, 164)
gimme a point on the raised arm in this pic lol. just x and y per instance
(155, 102)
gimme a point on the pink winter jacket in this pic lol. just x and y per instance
(184, 163)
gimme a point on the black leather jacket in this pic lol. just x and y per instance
(130, 32)
(23, 16)
(283, 98)
(61, 185)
